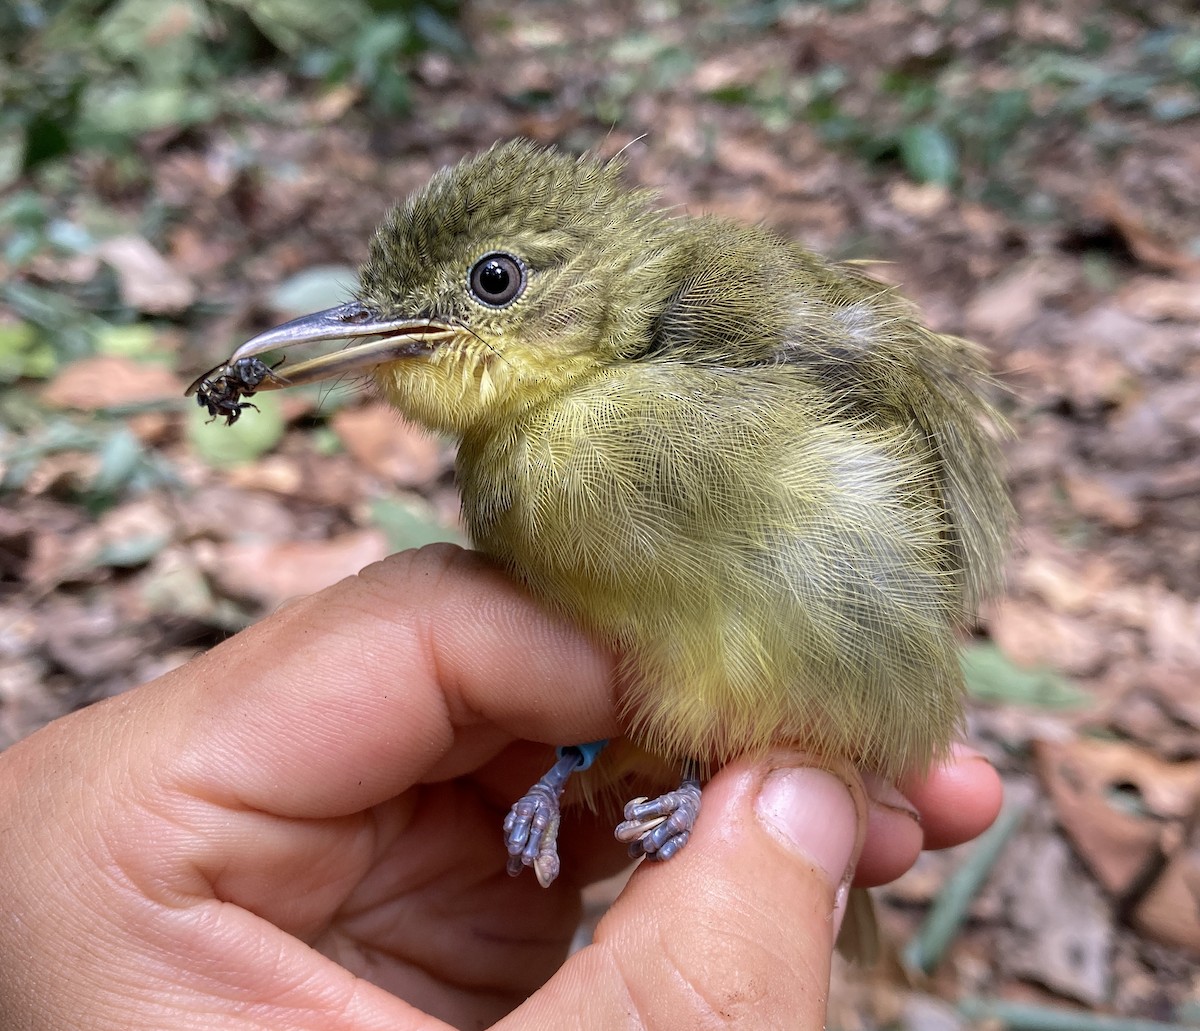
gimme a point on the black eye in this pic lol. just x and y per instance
(497, 279)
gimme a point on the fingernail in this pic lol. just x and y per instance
(960, 751)
(885, 793)
(811, 812)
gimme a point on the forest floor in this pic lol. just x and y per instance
(1028, 173)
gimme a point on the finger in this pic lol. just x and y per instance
(425, 664)
(737, 930)
(955, 802)
(894, 834)
(959, 800)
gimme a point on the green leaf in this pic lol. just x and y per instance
(252, 436)
(992, 677)
(24, 209)
(12, 154)
(294, 25)
(131, 553)
(312, 289)
(439, 32)
(390, 93)
(136, 340)
(409, 522)
(377, 46)
(735, 94)
(120, 456)
(46, 138)
(929, 154)
(162, 38)
(178, 588)
(24, 352)
(952, 905)
(129, 109)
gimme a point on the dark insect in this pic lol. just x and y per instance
(222, 393)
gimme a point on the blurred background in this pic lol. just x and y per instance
(177, 174)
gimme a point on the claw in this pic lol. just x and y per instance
(531, 826)
(531, 832)
(636, 822)
(658, 828)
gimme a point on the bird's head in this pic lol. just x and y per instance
(503, 281)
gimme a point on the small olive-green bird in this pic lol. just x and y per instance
(751, 471)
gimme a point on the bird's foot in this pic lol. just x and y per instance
(531, 826)
(658, 828)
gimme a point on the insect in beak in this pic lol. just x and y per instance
(397, 338)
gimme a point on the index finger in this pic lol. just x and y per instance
(431, 660)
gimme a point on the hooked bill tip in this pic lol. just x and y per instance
(352, 319)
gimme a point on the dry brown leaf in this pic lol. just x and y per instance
(1170, 910)
(1032, 635)
(1177, 690)
(390, 447)
(272, 573)
(68, 472)
(1064, 581)
(747, 160)
(27, 697)
(1095, 381)
(295, 406)
(983, 221)
(1084, 776)
(1148, 242)
(1059, 925)
(195, 253)
(334, 103)
(1180, 480)
(220, 513)
(143, 518)
(1159, 427)
(151, 428)
(326, 480)
(1036, 24)
(921, 200)
(1103, 497)
(110, 381)
(175, 586)
(1158, 706)
(280, 474)
(1117, 847)
(147, 281)
(65, 268)
(1156, 298)
(729, 68)
(1173, 629)
(90, 642)
(1015, 299)
(63, 558)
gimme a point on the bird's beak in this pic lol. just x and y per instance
(396, 339)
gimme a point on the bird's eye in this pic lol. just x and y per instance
(497, 279)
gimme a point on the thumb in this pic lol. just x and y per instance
(737, 930)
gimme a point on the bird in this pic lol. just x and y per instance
(752, 472)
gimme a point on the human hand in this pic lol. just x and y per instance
(300, 829)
